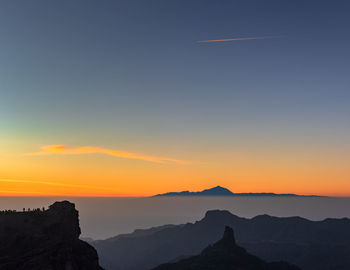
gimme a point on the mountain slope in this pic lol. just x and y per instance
(225, 255)
(312, 245)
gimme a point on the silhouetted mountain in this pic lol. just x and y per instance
(311, 245)
(225, 255)
(215, 191)
(221, 191)
(140, 232)
(44, 240)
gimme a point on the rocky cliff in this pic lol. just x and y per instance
(44, 240)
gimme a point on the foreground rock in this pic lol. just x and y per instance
(225, 255)
(44, 240)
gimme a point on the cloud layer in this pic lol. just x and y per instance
(234, 39)
(64, 150)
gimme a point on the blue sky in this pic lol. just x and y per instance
(132, 73)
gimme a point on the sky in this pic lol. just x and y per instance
(135, 98)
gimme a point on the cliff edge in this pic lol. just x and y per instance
(44, 240)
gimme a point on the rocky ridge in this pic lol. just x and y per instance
(45, 240)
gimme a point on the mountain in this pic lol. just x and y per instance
(44, 240)
(216, 191)
(140, 232)
(221, 191)
(225, 255)
(311, 245)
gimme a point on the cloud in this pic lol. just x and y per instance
(64, 150)
(235, 39)
(50, 184)
(89, 189)
(12, 192)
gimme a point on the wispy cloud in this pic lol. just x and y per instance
(235, 39)
(12, 192)
(48, 183)
(84, 189)
(64, 150)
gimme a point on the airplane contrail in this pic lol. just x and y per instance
(235, 39)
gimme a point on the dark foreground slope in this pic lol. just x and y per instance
(225, 255)
(45, 240)
(311, 245)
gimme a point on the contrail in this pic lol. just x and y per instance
(234, 39)
(62, 150)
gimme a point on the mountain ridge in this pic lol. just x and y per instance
(293, 239)
(222, 191)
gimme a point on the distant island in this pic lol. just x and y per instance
(221, 191)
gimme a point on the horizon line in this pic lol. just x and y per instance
(154, 196)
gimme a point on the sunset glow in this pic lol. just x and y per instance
(114, 98)
(84, 172)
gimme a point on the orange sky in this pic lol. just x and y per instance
(90, 171)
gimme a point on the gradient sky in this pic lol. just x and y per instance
(105, 98)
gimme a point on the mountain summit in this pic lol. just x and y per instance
(225, 255)
(221, 191)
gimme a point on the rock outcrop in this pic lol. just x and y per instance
(225, 255)
(44, 240)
